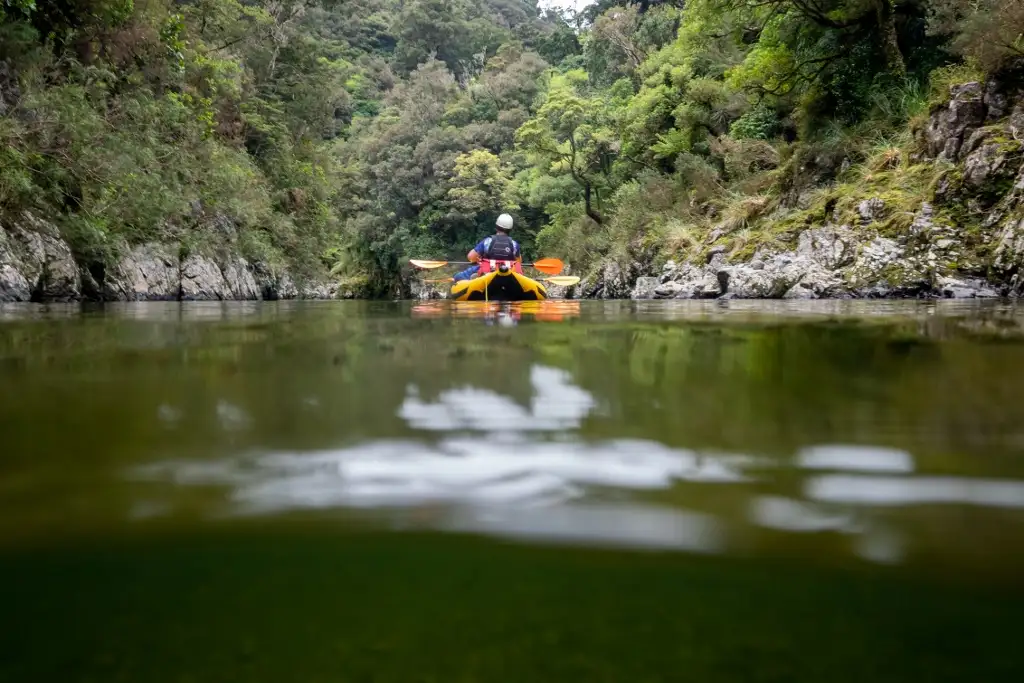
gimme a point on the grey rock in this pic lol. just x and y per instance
(1017, 121)
(996, 99)
(319, 290)
(828, 246)
(983, 164)
(240, 281)
(965, 288)
(148, 272)
(871, 210)
(286, 287)
(1009, 253)
(974, 141)
(947, 125)
(923, 223)
(36, 264)
(560, 292)
(801, 290)
(667, 290)
(277, 285)
(691, 283)
(427, 290)
(706, 287)
(1003, 90)
(202, 280)
(614, 283)
(718, 250)
(14, 286)
(744, 282)
(668, 271)
(645, 288)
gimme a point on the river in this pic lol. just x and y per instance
(434, 491)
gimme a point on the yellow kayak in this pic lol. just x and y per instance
(498, 286)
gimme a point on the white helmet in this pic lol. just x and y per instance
(504, 222)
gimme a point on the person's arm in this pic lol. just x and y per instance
(476, 253)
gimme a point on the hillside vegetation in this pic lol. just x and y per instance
(333, 139)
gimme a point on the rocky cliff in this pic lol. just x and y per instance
(944, 219)
(36, 264)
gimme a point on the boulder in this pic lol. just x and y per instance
(947, 124)
(871, 210)
(202, 280)
(965, 288)
(318, 290)
(14, 286)
(240, 280)
(828, 246)
(419, 289)
(645, 288)
(983, 165)
(615, 282)
(1017, 121)
(36, 264)
(147, 272)
(743, 282)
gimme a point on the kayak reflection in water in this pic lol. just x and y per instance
(504, 318)
(503, 313)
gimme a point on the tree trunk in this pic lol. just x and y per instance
(887, 34)
(588, 207)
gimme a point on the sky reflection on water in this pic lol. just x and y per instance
(528, 475)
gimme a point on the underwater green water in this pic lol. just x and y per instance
(600, 491)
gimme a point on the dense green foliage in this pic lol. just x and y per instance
(343, 137)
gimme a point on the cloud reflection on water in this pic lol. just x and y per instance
(556, 405)
(535, 478)
(897, 491)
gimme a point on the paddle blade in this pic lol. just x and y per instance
(563, 280)
(551, 266)
(428, 264)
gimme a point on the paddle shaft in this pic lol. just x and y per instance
(441, 264)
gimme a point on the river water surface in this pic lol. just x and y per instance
(567, 491)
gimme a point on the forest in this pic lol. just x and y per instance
(337, 139)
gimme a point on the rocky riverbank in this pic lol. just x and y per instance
(943, 219)
(36, 264)
(947, 220)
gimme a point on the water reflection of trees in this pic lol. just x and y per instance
(99, 388)
(774, 389)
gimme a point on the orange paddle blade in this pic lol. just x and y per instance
(550, 266)
(428, 264)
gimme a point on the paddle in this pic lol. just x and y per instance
(561, 280)
(550, 266)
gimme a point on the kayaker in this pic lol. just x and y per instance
(498, 247)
